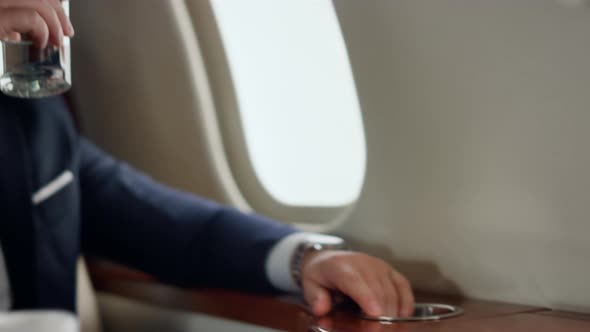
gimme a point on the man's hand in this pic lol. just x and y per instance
(45, 21)
(373, 284)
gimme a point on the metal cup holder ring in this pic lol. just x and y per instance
(422, 312)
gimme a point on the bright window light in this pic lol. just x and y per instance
(297, 98)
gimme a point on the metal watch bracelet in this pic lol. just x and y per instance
(306, 247)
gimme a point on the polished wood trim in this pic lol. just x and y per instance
(567, 315)
(289, 313)
(511, 323)
(519, 323)
(102, 271)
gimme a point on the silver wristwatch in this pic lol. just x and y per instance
(313, 243)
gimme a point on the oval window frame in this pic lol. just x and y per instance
(232, 132)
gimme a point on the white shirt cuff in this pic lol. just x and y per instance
(278, 263)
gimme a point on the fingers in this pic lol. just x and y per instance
(406, 296)
(317, 297)
(350, 282)
(13, 36)
(374, 285)
(390, 295)
(29, 17)
(24, 21)
(66, 24)
(31, 10)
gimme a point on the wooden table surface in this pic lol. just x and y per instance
(289, 313)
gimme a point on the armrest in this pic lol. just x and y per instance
(289, 313)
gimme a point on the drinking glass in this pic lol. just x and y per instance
(31, 72)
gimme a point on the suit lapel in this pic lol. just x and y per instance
(16, 218)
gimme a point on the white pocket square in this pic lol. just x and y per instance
(53, 187)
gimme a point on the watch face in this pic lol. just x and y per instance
(325, 239)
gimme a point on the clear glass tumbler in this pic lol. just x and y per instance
(30, 72)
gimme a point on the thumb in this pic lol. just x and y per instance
(317, 297)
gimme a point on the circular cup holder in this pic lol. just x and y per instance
(422, 312)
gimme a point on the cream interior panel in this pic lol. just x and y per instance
(476, 123)
(136, 64)
(476, 115)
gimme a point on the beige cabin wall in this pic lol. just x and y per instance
(477, 123)
(476, 115)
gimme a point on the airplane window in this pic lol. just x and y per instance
(297, 99)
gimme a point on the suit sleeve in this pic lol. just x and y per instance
(178, 237)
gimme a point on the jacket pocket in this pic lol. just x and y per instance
(53, 188)
(57, 206)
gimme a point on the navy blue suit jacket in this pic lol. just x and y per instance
(112, 211)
